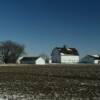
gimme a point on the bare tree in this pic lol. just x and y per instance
(11, 51)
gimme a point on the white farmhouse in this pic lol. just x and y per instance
(65, 55)
(31, 60)
(92, 59)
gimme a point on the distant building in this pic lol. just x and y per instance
(92, 59)
(65, 55)
(40, 61)
(31, 60)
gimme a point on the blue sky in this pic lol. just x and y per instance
(43, 24)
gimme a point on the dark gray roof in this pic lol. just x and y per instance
(96, 58)
(71, 51)
(30, 58)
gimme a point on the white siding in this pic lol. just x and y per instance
(19, 60)
(96, 61)
(70, 59)
(50, 61)
(40, 61)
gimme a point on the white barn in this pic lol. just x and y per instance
(31, 60)
(65, 55)
(92, 59)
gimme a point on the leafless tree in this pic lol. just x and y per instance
(11, 51)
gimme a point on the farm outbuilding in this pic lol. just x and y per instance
(65, 55)
(92, 59)
(31, 60)
(40, 61)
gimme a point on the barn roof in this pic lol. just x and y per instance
(70, 51)
(29, 58)
(94, 57)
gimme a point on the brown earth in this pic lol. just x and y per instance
(58, 82)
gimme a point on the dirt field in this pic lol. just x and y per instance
(50, 82)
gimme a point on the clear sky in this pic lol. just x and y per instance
(43, 24)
